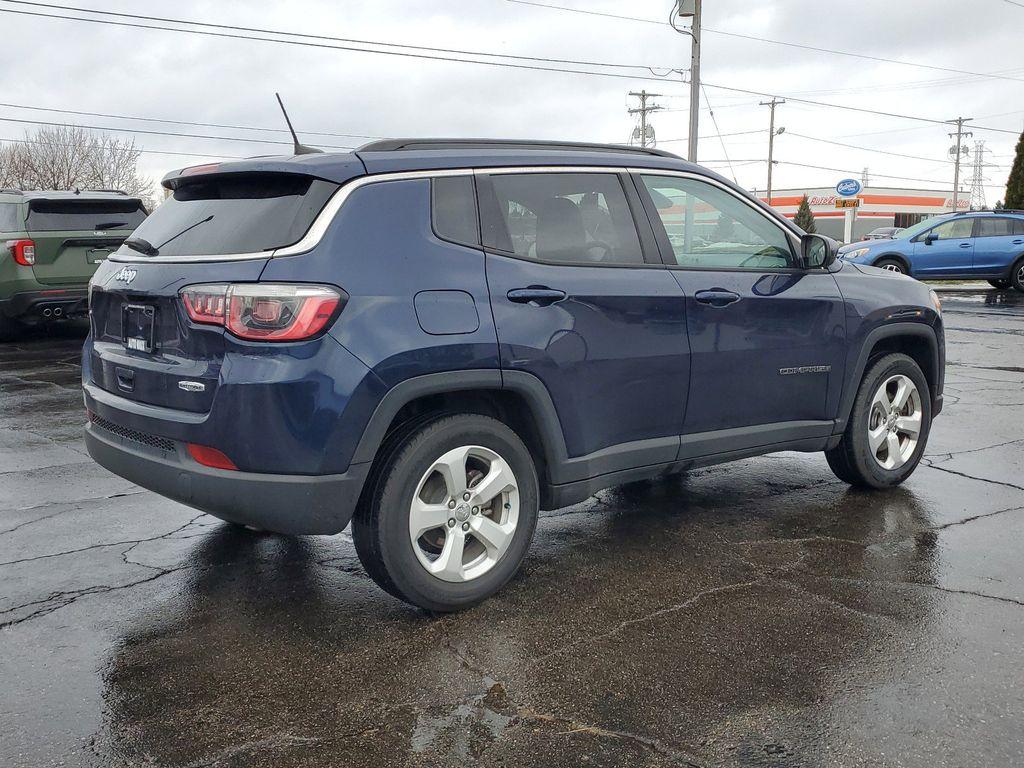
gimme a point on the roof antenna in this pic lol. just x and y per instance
(300, 149)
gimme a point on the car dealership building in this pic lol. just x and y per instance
(879, 207)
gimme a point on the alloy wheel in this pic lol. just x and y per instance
(464, 513)
(894, 422)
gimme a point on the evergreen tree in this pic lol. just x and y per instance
(1015, 183)
(804, 218)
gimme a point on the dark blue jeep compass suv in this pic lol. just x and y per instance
(435, 339)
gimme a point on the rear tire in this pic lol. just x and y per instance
(402, 529)
(1017, 275)
(892, 265)
(888, 428)
(1002, 285)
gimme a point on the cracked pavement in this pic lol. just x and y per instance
(759, 613)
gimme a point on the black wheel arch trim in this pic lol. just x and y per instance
(891, 330)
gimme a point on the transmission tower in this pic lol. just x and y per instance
(644, 132)
(978, 178)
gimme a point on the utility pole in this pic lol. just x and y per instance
(643, 110)
(772, 133)
(691, 9)
(978, 178)
(957, 152)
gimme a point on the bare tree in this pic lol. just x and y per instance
(68, 157)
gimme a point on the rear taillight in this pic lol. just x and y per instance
(264, 311)
(23, 251)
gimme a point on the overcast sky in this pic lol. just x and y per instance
(62, 64)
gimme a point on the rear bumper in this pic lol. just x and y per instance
(296, 504)
(47, 304)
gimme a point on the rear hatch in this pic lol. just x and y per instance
(211, 230)
(72, 235)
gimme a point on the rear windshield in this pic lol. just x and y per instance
(236, 213)
(73, 215)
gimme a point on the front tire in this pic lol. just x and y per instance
(888, 428)
(449, 513)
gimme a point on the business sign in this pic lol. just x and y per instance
(847, 202)
(848, 187)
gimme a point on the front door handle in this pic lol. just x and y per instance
(536, 295)
(1018, 242)
(965, 245)
(716, 297)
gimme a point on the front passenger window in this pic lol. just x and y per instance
(957, 229)
(709, 227)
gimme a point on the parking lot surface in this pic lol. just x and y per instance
(759, 613)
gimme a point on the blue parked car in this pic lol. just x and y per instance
(980, 245)
(434, 340)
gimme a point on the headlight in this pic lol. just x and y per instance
(856, 254)
(936, 302)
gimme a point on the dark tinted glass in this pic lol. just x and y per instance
(1018, 226)
(453, 209)
(58, 215)
(994, 227)
(236, 213)
(565, 217)
(10, 218)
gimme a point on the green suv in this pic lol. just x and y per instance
(50, 244)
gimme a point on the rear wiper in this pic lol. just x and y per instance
(110, 225)
(186, 229)
(142, 246)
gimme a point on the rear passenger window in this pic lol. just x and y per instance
(995, 227)
(572, 218)
(453, 210)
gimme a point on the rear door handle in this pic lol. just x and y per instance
(536, 295)
(1018, 242)
(716, 297)
(966, 245)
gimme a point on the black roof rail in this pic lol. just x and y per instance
(989, 210)
(395, 145)
(111, 191)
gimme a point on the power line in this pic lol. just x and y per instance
(160, 133)
(864, 149)
(143, 151)
(458, 60)
(184, 122)
(777, 42)
(310, 44)
(881, 113)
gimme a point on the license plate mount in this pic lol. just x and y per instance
(138, 322)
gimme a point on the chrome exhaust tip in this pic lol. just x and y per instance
(47, 312)
(57, 311)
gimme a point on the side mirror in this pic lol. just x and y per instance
(930, 238)
(818, 251)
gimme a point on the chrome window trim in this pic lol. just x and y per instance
(313, 235)
(794, 240)
(326, 216)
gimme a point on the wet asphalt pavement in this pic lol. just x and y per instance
(758, 613)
